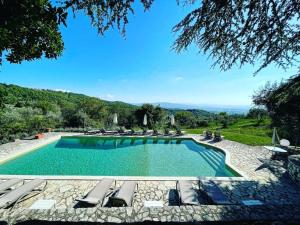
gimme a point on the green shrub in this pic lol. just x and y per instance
(178, 131)
(11, 138)
(202, 123)
(155, 131)
(4, 140)
(24, 135)
(166, 131)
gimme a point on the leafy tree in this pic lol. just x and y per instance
(2, 95)
(224, 119)
(74, 118)
(185, 118)
(243, 31)
(282, 102)
(257, 113)
(29, 29)
(154, 115)
(95, 108)
(232, 32)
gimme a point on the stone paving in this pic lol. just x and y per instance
(22, 146)
(267, 182)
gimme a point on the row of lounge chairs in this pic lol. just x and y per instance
(104, 195)
(125, 194)
(10, 197)
(128, 132)
(189, 196)
(216, 136)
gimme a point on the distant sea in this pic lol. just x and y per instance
(243, 109)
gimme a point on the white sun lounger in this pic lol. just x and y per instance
(187, 194)
(18, 194)
(6, 185)
(124, 196)
(98, 193)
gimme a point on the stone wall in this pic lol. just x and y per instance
(187, 214)
(294, 168)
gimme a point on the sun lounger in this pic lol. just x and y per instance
(98, 193)
(18, 194)
(124, 196)
(92, 132)
(217, 136)
(187, 194)
(6, 185)
(214, 192)
(208, 134)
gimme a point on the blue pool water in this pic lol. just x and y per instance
(104, 156)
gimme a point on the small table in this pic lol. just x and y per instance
(43, 204)
(275, 149)
(153, 204)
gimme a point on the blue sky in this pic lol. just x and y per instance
(141, 67)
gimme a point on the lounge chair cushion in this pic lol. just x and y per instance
(188, 196)
(5, 185)
(124, 195)
(98, 193)
(214, 192)
(19, 192)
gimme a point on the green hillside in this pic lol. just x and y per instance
(243, 130)
(26, 111)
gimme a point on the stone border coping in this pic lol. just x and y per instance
(136, 178)
(30, 147)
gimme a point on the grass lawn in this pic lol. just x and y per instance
(245, 131)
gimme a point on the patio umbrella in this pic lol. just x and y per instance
(115, 119)
(172, 120)
(145, 120)
(275, 137)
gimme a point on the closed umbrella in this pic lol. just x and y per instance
(172, 120)
(275, 138)
(145, 120)
(115, 119)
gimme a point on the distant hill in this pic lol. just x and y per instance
(196, 112)
(13, 94)
(203, 107)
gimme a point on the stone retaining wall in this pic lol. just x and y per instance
(286, 213)
(294, 168)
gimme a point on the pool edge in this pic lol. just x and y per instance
(62, 177)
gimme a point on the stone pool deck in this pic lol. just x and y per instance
(264, 180)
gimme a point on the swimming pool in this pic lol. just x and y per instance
(121, 156)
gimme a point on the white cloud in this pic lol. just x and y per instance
(178, 78)
(62, 90)
(108, 97)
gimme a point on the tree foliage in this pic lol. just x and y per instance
(232, 32)
(29, 29)
(257, 113)
(154, 114)
(27, 111)
(243, 31)
(282, 102)
(105, 14)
